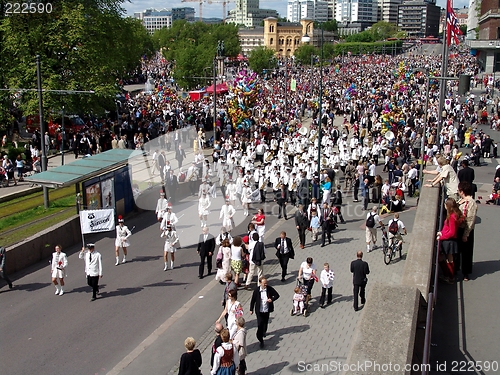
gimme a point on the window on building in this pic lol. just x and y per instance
(271, 41)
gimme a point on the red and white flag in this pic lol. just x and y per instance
(452, 28)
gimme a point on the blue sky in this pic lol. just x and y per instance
(215, 9)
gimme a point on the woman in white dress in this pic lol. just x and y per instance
(224, 255)
(246, 193)
(58, 269)
(233, 309)
(122, 236)
(239, 186)
(203, 209)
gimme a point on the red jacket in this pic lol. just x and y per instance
(450, 228)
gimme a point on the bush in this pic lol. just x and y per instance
(13, 152)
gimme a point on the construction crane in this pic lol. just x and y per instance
(224, 2)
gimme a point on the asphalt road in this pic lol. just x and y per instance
(70, 334)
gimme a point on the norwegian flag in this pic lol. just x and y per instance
(452, 28)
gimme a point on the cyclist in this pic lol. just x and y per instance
(395, 228)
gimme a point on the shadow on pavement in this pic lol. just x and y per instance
(275, 368)
(121, 292)
(164, 283)
(485, 268)
(146, 258)
(31, 287)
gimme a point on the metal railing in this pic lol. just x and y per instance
(432, 297)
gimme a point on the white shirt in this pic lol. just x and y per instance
(376, 218)
(401, 225)
(93, 262)
(307, 271)
(327, 278)
(263, 301)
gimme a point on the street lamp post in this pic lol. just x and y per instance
(320, 102)
(42, 129)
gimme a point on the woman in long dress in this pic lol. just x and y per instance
(203, 209)
(225, 253)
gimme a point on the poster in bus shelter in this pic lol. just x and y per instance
(107, 193)
(93, 195)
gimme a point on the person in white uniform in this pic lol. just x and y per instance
(122, 236)
(171, 241)
(203, 209)
(161, 206)
(226, 214)
(58, 269)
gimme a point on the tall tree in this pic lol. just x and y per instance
(261, 59)
(193, 46)
(83, 45)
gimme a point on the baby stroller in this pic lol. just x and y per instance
(302, 290)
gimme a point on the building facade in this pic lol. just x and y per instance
(310, 9)
(419, 18)
(250, 39)
(248, 13)
(154, 19)
(356, 11)
(487, 46)
(472, 20)
(388, 10)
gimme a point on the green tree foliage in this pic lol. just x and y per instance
(83, 45)
(304, 52)
(463, 29)
(379, 31)
(261, 59)
(193, 46)
(327, 26)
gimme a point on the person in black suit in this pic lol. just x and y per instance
(467, 174)
(327, 224)
(262, 310)
(206, 247)
(171, 182)
(301, 223)
(359, 269)
(284, 252)
(303, 191)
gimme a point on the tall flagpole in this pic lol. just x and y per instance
(444, 73)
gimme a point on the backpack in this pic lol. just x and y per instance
(370, 221)
(394, 227)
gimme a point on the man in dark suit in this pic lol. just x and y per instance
(359, 269)
(171, 182)
(467, 174)
(284, 252)
(281, 199)
(206, 247)
(303, 191)
(301, 223)
(263, 307)
(327, 224)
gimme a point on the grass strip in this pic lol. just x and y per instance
(35, 213)
(34, 200)
(14, 237)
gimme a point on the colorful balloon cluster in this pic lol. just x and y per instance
(391, 118)
(350, 92)
(164, 93)
(245, 89)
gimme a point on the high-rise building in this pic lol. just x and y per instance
(185, 13)
(356, 11)
(388, 10)
(248, 13)
(419, 18)
(316, 10)
(472, 20)
(154, 19)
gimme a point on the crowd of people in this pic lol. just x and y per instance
(383, 129)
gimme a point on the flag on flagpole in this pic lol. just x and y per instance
(452, 28)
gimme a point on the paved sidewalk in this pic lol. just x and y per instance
(325, 334)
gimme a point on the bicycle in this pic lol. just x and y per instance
(390, 247)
